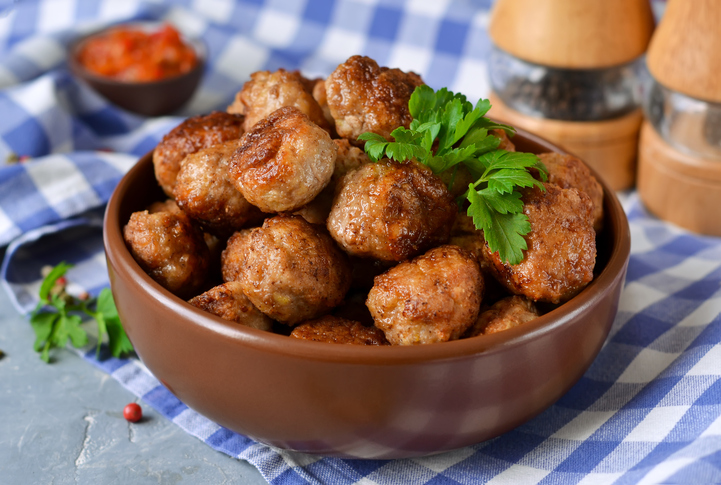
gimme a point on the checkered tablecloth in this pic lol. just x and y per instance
(647, 411)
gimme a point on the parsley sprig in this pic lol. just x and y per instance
(447, 131)
(57, 318)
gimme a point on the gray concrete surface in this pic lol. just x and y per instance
(63, 423)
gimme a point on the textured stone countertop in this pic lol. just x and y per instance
(63, 423)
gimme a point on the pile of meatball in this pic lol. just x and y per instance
(276, 219)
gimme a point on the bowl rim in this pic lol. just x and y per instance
(197, 43)
(246, 337)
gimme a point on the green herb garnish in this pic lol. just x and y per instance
(446, 131)
(57, 317)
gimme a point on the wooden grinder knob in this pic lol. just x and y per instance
(573, 34)
(685, 52)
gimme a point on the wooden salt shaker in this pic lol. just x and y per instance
(579, 60)
(679, 161)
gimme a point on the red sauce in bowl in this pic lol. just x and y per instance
(135, 55)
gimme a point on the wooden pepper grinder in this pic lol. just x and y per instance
(679, 160)
(570, 71)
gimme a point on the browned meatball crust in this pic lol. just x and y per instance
(561, 250)
(229, 302)
(568, 172)
(474, 244)
(289, 269)
(504, 314)
(284, 162)
(168, 205)
(320, 95)
(204, 192)
(316, 211)
(433, 298)
(349, 158)
(338, 330)
(169, 249)
(506, 143)
(188, 137)
(268, 91)
(231, 259)
(364, 97)
(465, 235)
(391, 211)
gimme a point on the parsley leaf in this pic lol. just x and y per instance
(56, 319)
(53, 276)
(446, 132)
(118, 340)
(502, 230)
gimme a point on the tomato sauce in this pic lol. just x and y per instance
(134, 55)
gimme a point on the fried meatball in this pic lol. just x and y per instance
(283, 162)
(349, 158)
(229, 302)
(561, 250)
(473, 243)
(506, 143)
(391, 211)
(316, 211)
(364, 97)
(215, 245)
(288, 268)
(336, 330)
(167, 205)
(465, 235)
(204, 192)
(504, 314)
(320, 95)
(231, 259)
(268, 91)
(432, 298)
(567, 172)
(188, 137)
(169, 249)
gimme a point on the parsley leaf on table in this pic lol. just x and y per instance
(447, 131)
(106, 313)
(57, 318)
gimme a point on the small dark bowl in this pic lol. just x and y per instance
(153, 98)
(353, 401)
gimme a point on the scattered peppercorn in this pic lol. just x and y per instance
(133, 412)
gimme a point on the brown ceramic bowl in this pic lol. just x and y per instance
(353, 401)
(153, 98)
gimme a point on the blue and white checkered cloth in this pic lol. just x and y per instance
(647, 411)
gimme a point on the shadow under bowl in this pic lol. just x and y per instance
(356, 401)
(153, 98)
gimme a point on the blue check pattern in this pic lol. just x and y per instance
(647, 411)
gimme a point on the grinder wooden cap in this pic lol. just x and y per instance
(685, 52)
(573, 34)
